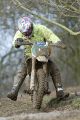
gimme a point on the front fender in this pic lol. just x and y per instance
(42, 59)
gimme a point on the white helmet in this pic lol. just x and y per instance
(25, 26)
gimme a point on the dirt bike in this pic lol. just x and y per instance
(39, 73)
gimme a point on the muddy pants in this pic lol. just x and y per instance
(23, 71)
(55, 75)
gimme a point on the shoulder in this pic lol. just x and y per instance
(18, 34)
(39, 26)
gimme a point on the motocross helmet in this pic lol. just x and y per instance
(25, 26)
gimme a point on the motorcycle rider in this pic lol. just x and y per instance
(34, 32)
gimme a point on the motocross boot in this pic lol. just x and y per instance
(18, 80)
(60, 94)
(14, 92)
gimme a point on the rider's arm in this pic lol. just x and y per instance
(56, 40)
(52, 36)
(18, 36)
(48, 34)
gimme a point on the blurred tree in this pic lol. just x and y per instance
(26, 7)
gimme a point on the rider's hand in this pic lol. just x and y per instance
(17, 46)
(18, 42)
(61, 45)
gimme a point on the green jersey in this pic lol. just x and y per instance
(40, 33)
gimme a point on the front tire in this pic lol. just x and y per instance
(38, 95)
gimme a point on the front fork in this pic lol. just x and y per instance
(33, 73)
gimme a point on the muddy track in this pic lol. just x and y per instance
(68, 109)
(61, 115)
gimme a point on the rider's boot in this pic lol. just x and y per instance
(14, 92)
(60, 94)
(18, 80)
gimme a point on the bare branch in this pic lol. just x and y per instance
(45, 19)
(9, 53)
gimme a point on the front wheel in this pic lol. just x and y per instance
(39, 93)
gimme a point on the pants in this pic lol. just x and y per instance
(55, 75)
(22, 72)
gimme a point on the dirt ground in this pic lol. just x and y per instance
(68, 109)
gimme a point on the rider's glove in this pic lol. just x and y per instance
(61, 44)
(18, 42)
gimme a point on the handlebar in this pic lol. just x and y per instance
(26, 42)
